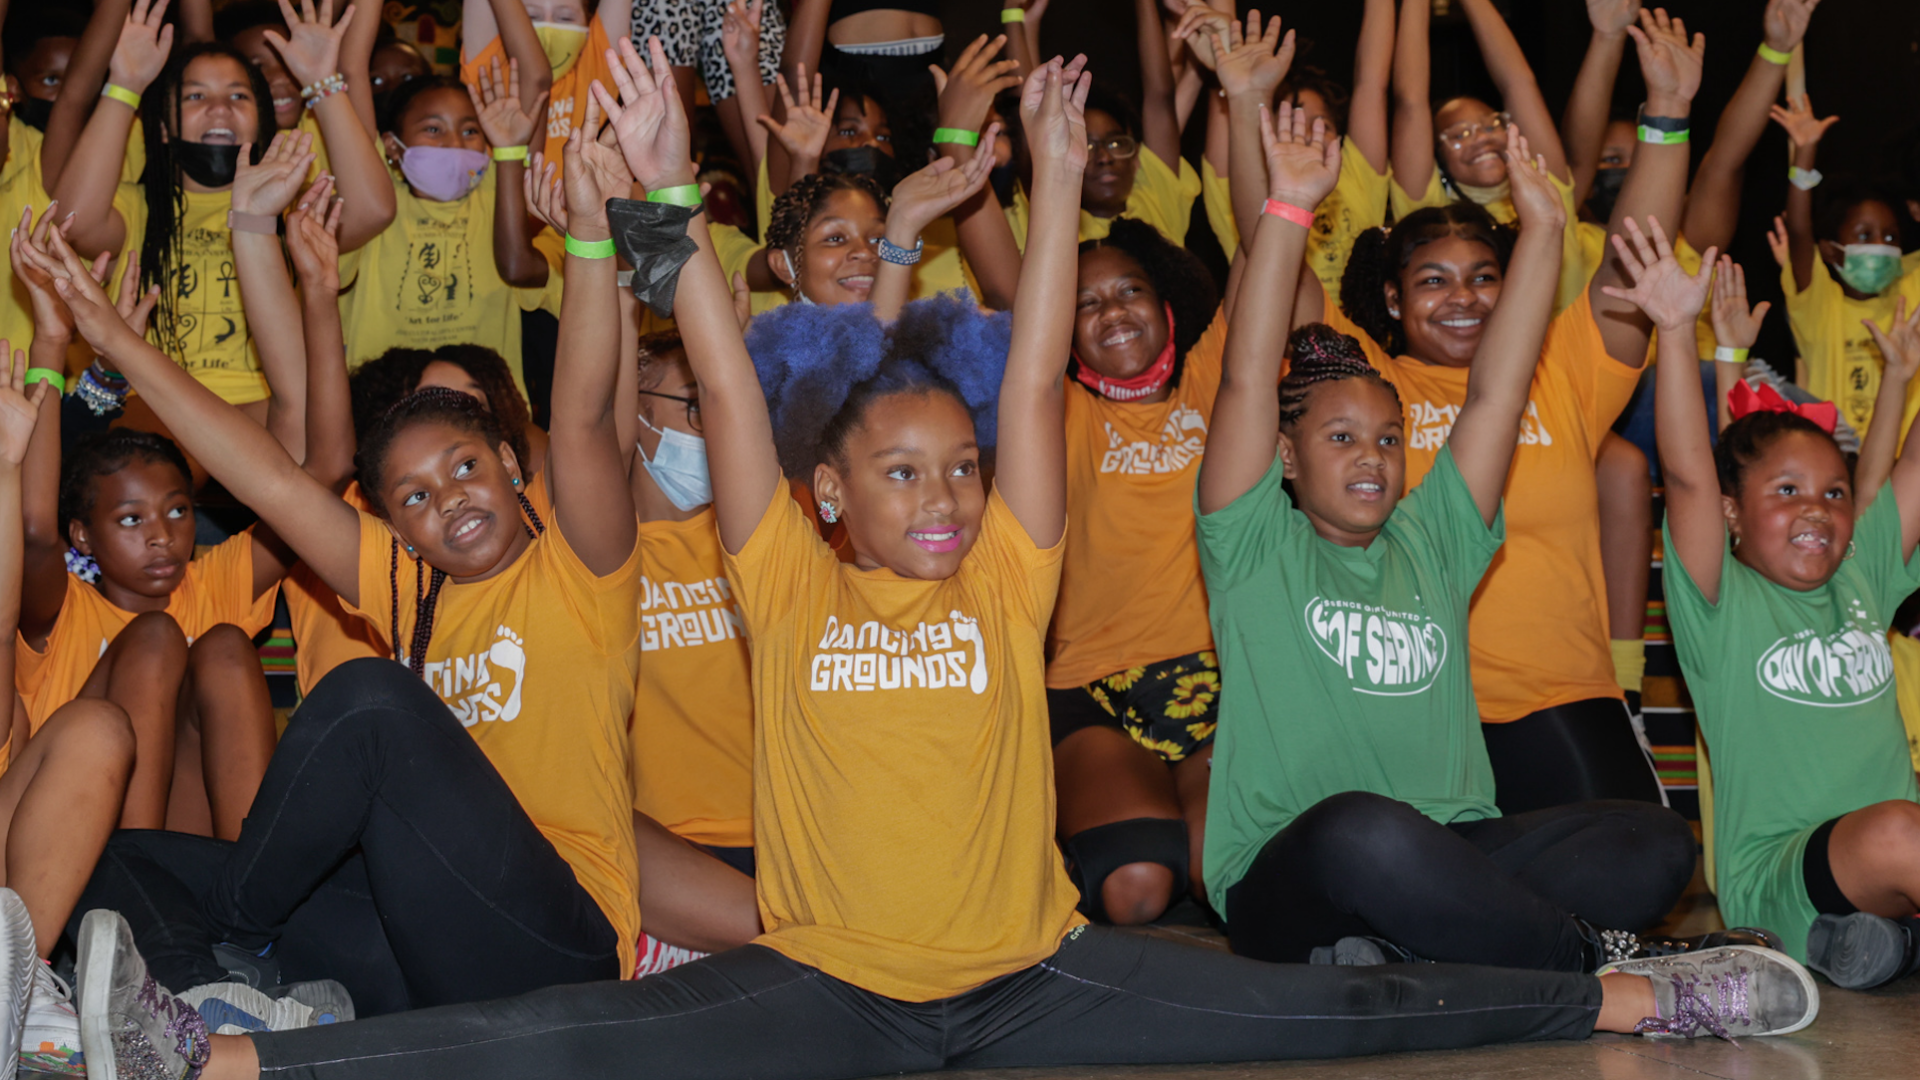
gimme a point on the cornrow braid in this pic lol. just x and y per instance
(1381, 256)
(797, 206)
(1321, 354)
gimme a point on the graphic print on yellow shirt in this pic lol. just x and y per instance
(1839, 360)
(210, 338)
(1130, 586)
(692, 728)
(538, 663)
(902, 776)
(1538, 627)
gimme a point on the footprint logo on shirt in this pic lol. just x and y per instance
(965, 629)
(509, 654)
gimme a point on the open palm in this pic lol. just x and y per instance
(19, 409)
(1669, 295)
(648, 119)
(311, 49)
(1900, 342)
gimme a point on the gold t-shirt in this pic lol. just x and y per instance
(1161, 197)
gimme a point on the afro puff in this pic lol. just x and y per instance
(821, 366)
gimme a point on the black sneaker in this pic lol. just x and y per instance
(1729, 992)
(1364, 952)
(1861, 951)
(130, 1026)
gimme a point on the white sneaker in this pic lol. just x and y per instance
(51, 1043)
(238, 1009)
(18, 958)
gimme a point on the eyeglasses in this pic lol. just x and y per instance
(1119, 147)
(692, 404)
(1459, 135)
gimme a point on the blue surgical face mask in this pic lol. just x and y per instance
(679, 467)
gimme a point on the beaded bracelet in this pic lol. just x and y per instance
(333, 84)
(899, 256)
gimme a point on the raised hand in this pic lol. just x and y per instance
(809, 118)
(1612, 16)
(94, 313)
(1053, 114)
(1197, 27)
(145, 42)
(311, 49)
(1804, 128)
(934, 191)
(1786, 22)
(1252, 61)
(1735, 324)
(1899, 342)
(648, 120)
(1778, 243)
(313, 237)
(51, 319)
(593, 173)
(503, 120)
(1302, 166)
(967, 93)
(19, 407)
(268, 187)
(1669, 295)
(135, 307)
(1534, 195)
(545, 200)
(740, 34)
(1670, 62)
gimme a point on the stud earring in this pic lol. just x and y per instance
(516, 481)
(829, 513)
(1393, 313)
(1736, 541)
(410, 553)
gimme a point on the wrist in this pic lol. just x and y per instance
(590, 229)
(680, 177)
(1775, 52)
(1672, 106)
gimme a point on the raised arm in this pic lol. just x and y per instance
(86, 72)
(508, 125)
(800, 136)
(313, 239)
(1031, 473)
(87, 184)
(507, 20)
(1488, 427)
(1713, 203)
(966, 100)
(1250, 65)
(1657, 182)
(1412, 134)
(1736, 326)
(740, 43)
(919, 201)
(1805, 130)
(1302, 168)
(1022, 46)
(1159, 118)
(1900, 346)
(260, 193)
(650, 124)
(20, 410)
(1372, 76)
(1583, 127)
(195, 18)
(1672, 300)
(806, 37)
(311, 52)
(1519, 91)
(356, 60)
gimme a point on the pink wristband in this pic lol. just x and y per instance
(1289, 212)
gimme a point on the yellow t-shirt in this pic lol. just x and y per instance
(20, 188)
(1575, 271)
(1906, 688)
(1130, 587)
(567, 101)
(692, 729)
(429, 280)
(1538, 626)
(539, 662)
(902, 779)
(1839, 360)
(1358, 203)
(941, 269)
(1160, 197)
(1594, 250)
(216, 588)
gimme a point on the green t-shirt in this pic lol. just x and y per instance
(1794, 692)
(1343, 669)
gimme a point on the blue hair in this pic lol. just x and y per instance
(822, 366)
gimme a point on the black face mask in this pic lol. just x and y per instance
(1606, 191)
(212, 164)
(34, 112)
(863, 161)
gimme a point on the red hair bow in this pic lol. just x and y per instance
(1744, 399)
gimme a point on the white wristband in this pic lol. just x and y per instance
(1804, 179)
(1727, 354)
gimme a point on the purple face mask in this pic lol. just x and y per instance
(443, 174)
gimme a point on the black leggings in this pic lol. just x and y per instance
(1106, 997)
(1500, 891)
(383, 850)
(1580, 752)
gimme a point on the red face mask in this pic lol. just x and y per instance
(1146, 384)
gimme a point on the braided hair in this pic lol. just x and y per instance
(161, 255)
(803, 201)
(377, 384)
(1379, 256)
(1310, 78)
(436, 405)
(1178, 277)
(1321, 354)
(1746, 439)
(104, 454)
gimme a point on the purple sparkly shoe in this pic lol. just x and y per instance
(1730, 992)
(131, 1028)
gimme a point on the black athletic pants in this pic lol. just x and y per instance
(383, 850)
(1106, 997)
(1500, 891)
(1579, 752)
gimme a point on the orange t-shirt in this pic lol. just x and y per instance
(216, 588)
(539, 662)
(1130, 587)
(567, 101)
(692, 728)
(324, 634)
(903, 778)
(1538, 628)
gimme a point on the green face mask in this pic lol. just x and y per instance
(1870, 268)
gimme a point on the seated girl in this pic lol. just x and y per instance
(978, 960)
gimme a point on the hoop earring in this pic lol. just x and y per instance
(1849, 554)
(829, 513)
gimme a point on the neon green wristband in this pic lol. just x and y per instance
(122, 95)
(1663, 138)
(590, 249)
(47, 375)
(1772, 55)
(682, 195)
(509, 153)
(1013, 15)
(957, 135)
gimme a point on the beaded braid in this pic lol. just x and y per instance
(1321, 354)
(796, 207)
(424, 604)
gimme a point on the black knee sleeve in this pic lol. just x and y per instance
(1095, 853)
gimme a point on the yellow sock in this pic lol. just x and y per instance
(1629, 663)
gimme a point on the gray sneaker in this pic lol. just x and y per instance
(18, 961)
(1859, 951)
(1732, 991)
(131, 1028)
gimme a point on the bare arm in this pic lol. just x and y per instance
(920, 200)
(86, 74)
(966, 100)
(1372, 73)
(356, 57)
(196, 20)
(1158, 118)
(1519, 92)
(508, 20)
(506, 125)
(1900, 345)
(266, 291)
(1251, 64)
(740, 41)
(1805, 130)
(1022, 46)
(1583, 127)
(1412, 133)
(313, 239)
(87, 184)
(806, 36)
(20, 412)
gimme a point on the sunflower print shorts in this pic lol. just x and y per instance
(1169, 707)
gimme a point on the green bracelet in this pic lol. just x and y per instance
(509, 153)
(956, 135)
(590, 249)
(1772, 55)
(681, 195)
(47, 375)
(1013, 15)
(1663, 138)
